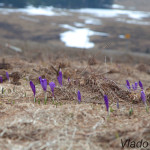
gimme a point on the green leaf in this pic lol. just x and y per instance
(131, 111)
(111, 109)
(39, 101)
(147, 109)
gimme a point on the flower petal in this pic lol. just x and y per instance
(59, 78)
(52, 86)
(141, 85)
(33, 87)
(143, 96)
(79, 96)
(7, 75)
(128, 84)
(106, 102)
(44, 84)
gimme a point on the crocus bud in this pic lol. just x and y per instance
(59, 78)
(79, 96)
(106, 102)
(52, 86)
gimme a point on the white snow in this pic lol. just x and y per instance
(30, 10)
(116, 6)
(102, 13)
(110, 13)
(121, 36)
(78, 24)
(130, 21)
(90, 20)
(93, 21)
(46, 11)
(79, 37)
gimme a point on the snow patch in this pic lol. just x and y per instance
(79, 37)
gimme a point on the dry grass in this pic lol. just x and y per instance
(35, 38)
(65, 124)
(135, 4)
(84, 126)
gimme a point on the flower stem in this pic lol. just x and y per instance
(39, 102)
(109, 111)
(2, 90)
(53, 100)
(45, 99)
(146, 107)
(131, 111)
(34, 99)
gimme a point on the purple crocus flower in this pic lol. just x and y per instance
(128, 84)
(52, 86)
(117, 104)
(136, 85)
(1, 80)
(143, 97)
(106, 102)
(59, 78)
(44, 84)
(79, 96)
(33, 89)
(141, 85)
(68, 79)
(40, 78)
(7, 75)
(133, 87)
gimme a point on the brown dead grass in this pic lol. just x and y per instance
(43, 37)
(135, 4)
(65, 124)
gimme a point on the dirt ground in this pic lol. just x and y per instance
(43, 34)
(63, 123)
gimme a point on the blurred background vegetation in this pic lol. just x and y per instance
(59, 3)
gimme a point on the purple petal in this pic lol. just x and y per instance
(44, 84)
(68, 79)
(33, 87)
(59, 78)
(7, 75)
(133, 87)
(117, 104)
(1, 80)
(136, 85)
(143, 97)
(79, 96)
(52, 86)
(40, 78)
(106, 102)
(128, 84)
(141, 85)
